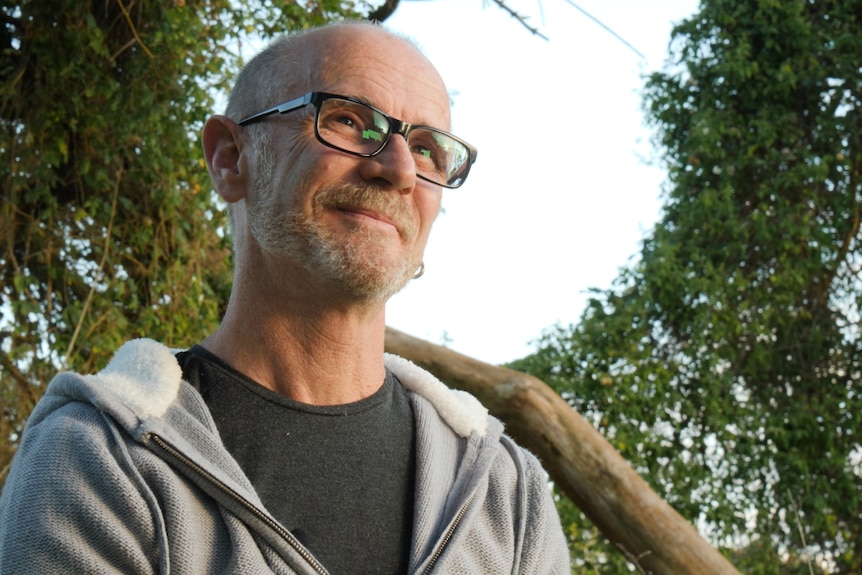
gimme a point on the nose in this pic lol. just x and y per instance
(393, 167)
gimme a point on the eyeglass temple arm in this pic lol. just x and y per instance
(284, 108)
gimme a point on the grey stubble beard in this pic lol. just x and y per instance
(284, 229)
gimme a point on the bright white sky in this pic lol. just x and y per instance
(562, 194)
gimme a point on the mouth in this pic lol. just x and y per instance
(369, 206)
(365, 213)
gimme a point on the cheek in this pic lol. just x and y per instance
(299, 176)
(428, 204)
(429, 209)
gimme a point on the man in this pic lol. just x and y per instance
(286, 442)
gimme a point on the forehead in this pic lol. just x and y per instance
(382, 69)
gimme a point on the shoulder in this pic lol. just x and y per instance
(144, 374)
(544, 547)
(85, 427)
(70, 475)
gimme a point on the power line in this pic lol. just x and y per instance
(602, 24)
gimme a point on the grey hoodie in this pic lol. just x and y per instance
(124, 472)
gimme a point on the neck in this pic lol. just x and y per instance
(299, 347)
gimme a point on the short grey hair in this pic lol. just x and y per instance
(279, 71)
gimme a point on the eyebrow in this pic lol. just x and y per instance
(363, 99)
(371, 102)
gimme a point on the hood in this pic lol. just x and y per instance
(143, 380)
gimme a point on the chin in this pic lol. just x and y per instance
(373, 284)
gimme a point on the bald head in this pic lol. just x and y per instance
(305, 61)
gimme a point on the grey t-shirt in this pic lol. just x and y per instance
(340, 478)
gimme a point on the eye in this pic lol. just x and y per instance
(421, 150)
(342, 119)
(345, 119)
(353, 120)
(430, 158)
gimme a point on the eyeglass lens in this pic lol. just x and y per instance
(357, 128)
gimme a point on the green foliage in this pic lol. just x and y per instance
(725, 362)
(108, 228)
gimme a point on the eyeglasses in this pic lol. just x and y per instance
(352, 126)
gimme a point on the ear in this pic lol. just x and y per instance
(223, 150)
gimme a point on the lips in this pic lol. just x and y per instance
(372, 202)
(363, 211)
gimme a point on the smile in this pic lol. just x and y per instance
(381, 219)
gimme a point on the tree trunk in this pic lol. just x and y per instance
(648, 531)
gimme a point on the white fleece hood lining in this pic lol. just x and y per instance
(460, 410)
(144, 374)
(146, 377)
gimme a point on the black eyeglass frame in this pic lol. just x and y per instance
(396, 126)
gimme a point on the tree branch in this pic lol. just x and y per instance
(519, 18)
(579, 460)
(134, 30)
(67, 356)
(16, 374)
(603, 25)
(383, 11)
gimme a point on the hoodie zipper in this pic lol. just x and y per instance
(449, 532)
(286, 535)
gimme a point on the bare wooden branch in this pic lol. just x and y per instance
(384, 11)
(579, 460)
(607, 28)
(520, 18)
(134, 30)
(67, 357)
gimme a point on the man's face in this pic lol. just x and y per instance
(359, 223)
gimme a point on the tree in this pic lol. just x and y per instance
(107, 225)
(650, 534)
(725, 362)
